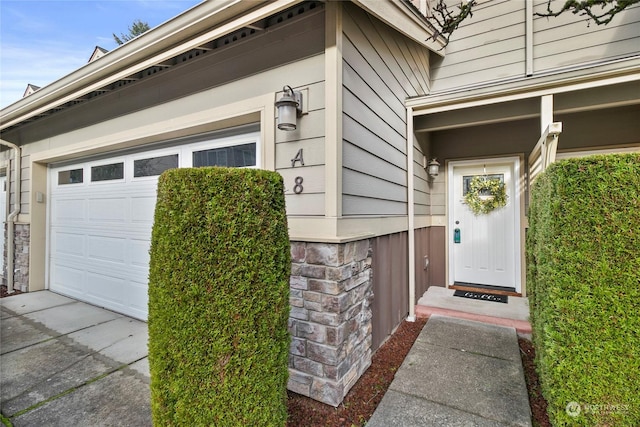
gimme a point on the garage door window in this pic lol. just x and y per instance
(72, 176)
(107, 172)
(236, 156)
(154, 165)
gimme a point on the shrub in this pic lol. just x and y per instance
(219, 299)
(583, 253)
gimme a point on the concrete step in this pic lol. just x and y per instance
(441, 301)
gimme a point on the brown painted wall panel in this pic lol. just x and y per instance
(422, 246)
(390, 267)
(390, 285)
(437, 256)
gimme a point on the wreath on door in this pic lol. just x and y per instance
(485, 195)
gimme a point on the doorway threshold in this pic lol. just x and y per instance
(438, 300)
(477, 287)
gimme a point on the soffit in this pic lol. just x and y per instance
(192, 33)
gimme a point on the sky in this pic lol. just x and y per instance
(42, 41)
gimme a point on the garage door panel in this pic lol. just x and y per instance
(68, 210)
(107, 289)
(140, 253)
(68, 243)
(67, 278)
(111, 249)
(108, 210)
(142, 209)
(138, 297)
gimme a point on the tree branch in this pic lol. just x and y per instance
(446, 22)
(585, 8)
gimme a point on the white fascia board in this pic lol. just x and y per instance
(621, 71)
(403, 19)
(195, 27)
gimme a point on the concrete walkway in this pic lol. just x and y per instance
(66, 363)
(458, 373)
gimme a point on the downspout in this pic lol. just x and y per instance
(11, 218)
(410, 213)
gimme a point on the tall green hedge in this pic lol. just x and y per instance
(219, 299)
(583, 253)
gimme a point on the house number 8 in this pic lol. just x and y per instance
(298, 187)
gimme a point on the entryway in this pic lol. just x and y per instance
(484, 249)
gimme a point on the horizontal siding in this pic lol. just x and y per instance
(372, 187)
(381, 68)
(359, 205)
(488, 46)
(358, 135)
(304, 204)
(387, 108)
(310, 138)
(312, 152)
(568, 40)
(363, 161)
(439, 196)
(358, 110)
(421, 196)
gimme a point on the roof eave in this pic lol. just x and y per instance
(401, 17)
(198, 25)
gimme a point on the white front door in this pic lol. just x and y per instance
(484, 249)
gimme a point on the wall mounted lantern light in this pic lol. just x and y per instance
(433, 169)
(289, 108)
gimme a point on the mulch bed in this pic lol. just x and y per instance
(362, 400)
(537, 402)
(3, 292)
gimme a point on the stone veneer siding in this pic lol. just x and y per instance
(330, 320)
(21, 257)
(21, 260)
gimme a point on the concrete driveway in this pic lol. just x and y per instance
(67, 363)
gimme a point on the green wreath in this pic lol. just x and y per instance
(479, 201)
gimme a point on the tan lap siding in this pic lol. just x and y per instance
(378, 75)
(488, 46)
(568, 40)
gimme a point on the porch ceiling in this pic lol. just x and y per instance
(582, 130)
(597, 98)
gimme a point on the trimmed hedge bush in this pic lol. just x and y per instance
(583, 253)
(219, 299)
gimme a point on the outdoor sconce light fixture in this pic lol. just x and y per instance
(433, 169)
(289, 108)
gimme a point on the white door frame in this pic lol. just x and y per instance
(517, 182)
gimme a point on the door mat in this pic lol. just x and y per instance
(483, 296)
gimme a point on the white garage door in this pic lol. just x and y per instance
(101, 215)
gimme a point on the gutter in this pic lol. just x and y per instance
(11, 218)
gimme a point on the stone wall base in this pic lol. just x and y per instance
(21, 257)
(330, 320)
